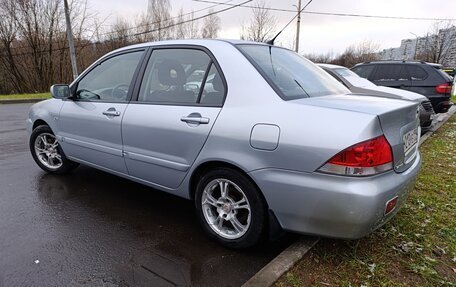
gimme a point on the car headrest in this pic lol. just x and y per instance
(171, 73)
(217, 83)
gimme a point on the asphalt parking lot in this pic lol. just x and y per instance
(91, 228)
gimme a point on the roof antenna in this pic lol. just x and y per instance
(271, 42)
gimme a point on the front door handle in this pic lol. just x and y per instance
(195, 118)
(111, 112)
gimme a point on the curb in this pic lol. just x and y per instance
(442, 119)
(270, 273)
(23, 101)
(282, 263)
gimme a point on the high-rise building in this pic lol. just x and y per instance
(439, 48)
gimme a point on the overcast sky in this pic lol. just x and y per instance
(319, 33)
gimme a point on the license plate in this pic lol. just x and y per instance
(410, 140)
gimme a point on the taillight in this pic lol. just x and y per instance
(444, 88)
(365, 158)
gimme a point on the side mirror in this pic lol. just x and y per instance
(60, 91)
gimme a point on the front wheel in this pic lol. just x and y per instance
(230, 208)
(47, 152)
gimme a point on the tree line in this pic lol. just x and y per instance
(34, 44)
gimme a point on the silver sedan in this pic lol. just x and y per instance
(258, 137)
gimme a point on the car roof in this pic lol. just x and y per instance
(380, 62)
(202, 42)
(330, 66)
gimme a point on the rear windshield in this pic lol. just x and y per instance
(344, 72)
(291, 75)
(447, 77)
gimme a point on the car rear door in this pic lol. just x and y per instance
(391, 75)
(176, 105)
(90, 123)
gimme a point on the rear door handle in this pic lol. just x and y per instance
(195, 118)
(111, 112)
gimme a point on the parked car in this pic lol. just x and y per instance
(278, 145)
(362, 86)
(420, 77)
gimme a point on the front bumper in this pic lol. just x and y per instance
(333, 206)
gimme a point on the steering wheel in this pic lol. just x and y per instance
(120, 91)
(91, 96)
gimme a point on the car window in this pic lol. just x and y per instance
(292, 76)
(174, 76)
(447, 77)
(390, 73)
(363, 71)
(416, 73)
(110, 80)
(344, 72)
(214, 89)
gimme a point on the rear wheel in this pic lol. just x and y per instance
(230, 208)
(47, 152)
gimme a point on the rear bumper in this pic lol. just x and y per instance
(333, 206)
(441, 104)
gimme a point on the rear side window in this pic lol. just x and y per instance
(363, 71)
(181, 76)
(213, 90)
(390, 73)
(416, 73)
(447, 77)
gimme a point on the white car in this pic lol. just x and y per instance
(359, 85)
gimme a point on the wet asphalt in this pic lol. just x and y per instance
(90, 228)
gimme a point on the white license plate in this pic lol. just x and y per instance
(410, 140)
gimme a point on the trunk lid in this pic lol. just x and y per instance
(399, 121)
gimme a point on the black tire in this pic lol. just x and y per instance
(66, 164)
(258, 212)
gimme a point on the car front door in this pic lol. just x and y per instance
(177, 104)
(90, 122)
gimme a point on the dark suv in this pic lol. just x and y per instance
(419, 77)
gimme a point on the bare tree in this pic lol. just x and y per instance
(159, 14)
(356, 53)
(436, 46)
(10, 72)
(211, 26)
(121, 32)
(193, 27)
(186, 27)
(320, 58)
(33, 43)
(261, 25)
(181, 29)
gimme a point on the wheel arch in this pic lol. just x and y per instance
(273, 227)
(39, 122)
(205, 166)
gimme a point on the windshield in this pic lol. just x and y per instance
(291, 75)
(344, 72)
(353, 78)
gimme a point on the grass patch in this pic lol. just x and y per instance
(25, 96)
(416, 248)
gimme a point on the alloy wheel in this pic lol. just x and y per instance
(226, 208)
(47, 151)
